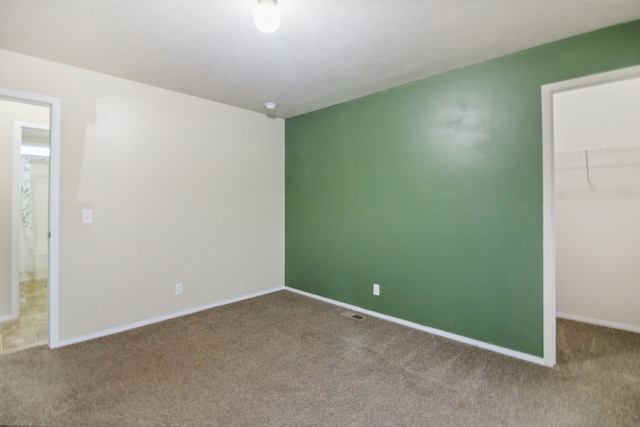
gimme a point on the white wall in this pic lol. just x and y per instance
(10, 112)
(183, 190)
(598, 221)
(40, 204)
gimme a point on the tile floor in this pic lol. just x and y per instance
(32, 327)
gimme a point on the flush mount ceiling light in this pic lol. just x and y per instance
(271, 109)
(267, 16)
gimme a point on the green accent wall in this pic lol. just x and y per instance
(434, 191)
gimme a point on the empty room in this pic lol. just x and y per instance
(341, 213)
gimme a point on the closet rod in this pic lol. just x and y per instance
(586, 161)
(614, 149)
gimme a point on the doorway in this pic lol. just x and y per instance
(31, 144)
(29, 147)
(573, 158)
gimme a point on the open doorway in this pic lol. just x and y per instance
(31, 327)
(29, 184)
(572, 163)
(597, 185)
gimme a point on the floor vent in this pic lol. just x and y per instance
(352, 315)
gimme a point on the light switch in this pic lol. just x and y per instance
(87, 216)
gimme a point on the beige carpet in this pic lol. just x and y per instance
(287, 360)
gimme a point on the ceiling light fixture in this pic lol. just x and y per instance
(271, 109)
(267, 16)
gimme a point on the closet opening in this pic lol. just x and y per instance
(591, 157)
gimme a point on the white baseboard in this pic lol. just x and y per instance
(8, 317)
(599, 322)
(75, 340)
(449, 335)
(455, 337)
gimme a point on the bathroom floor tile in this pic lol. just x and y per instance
(32, 327)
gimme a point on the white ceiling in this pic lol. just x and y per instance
(325, 51)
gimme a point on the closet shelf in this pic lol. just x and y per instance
(614, 156)
(624, 155)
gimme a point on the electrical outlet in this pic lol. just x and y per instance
(178, 289)
(376, 289)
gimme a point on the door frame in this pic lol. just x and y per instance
(54, 105)
(548, 195)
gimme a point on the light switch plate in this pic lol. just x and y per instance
(87, 216)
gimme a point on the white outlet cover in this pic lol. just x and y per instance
(376, 289)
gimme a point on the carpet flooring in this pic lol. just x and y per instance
(287, 360)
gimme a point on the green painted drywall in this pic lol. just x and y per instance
(434, 191)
